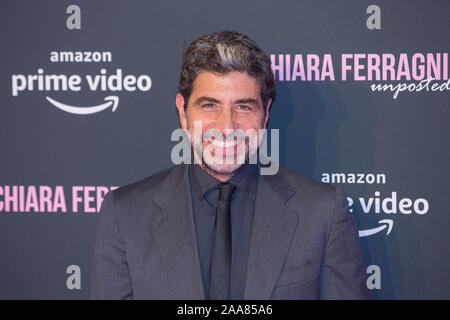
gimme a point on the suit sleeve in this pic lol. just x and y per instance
(110, 278)
(344, 270)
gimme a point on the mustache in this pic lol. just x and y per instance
(209, 134)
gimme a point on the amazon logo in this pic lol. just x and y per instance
(115, 81)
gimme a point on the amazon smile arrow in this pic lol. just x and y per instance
(384, 223)
(110, 101)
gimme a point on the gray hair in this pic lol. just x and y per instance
(223, 52)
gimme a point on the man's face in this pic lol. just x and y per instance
(223, 102)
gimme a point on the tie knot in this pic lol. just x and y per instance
(226, 191)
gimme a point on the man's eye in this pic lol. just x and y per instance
(208, 106)
(244, 107)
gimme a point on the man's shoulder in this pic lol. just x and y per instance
(147, 185)
(170, 177)
(318, 199)
(305, 184)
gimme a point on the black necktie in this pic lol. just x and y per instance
(220, 265)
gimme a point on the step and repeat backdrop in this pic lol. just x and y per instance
(87, 104)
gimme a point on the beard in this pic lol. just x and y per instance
(225, 155)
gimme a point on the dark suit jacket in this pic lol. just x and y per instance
(304, 242)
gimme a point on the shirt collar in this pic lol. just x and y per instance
(245, 181)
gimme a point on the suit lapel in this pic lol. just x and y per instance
(273, 228)
(175, 237)
(174, 234)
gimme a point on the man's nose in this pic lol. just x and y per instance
(225, 121)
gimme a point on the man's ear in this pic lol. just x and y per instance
(179, 101)
(267, 108)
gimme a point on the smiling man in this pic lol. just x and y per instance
(219, 228)
(223, 106)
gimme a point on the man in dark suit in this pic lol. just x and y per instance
(219, 228)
